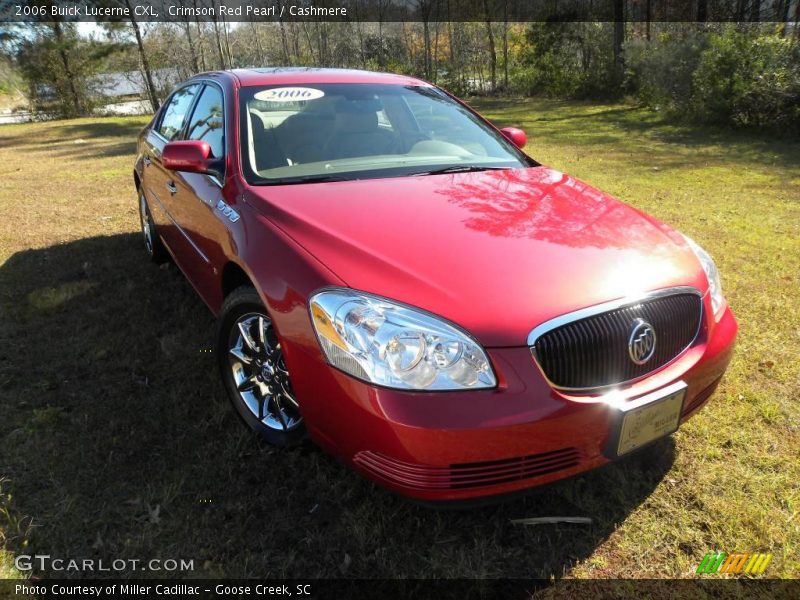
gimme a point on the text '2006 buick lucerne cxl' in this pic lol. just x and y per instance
(396, 279)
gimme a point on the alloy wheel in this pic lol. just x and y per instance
(259, 373)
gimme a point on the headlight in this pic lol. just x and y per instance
(712, 274)
(396, 346)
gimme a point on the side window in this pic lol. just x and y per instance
(207, 121)
(176, 112)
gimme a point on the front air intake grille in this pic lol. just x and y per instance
(467, 475)
(592, 351)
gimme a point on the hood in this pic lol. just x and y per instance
(497, 252)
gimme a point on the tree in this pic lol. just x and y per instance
(505, 44)
(59, 67)
(755, 11)
(187, 30)
(619, 35)
(702, 11)
(492, 50)
(143, 62)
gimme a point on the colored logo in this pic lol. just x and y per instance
(753, 563)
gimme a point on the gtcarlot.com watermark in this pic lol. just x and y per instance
(52, 564)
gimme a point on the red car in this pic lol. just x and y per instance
(397, 280)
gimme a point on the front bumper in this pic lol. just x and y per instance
(471, 444)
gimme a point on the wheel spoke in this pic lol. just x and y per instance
(248, 385)
(262, 336)
(279, 410)
(246, 336)
(239, 354)
(290, 398)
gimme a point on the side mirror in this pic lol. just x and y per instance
(517, 136)
(193, 156)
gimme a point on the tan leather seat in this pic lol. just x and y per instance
(303, 136)
(357, 132)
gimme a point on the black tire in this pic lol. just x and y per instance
(282, 423)
(153, 245)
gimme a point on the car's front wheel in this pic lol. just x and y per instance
(253, 369)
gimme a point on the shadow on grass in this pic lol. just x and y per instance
(118, 442)
(68, 131)
(96, 150)
(128, 127)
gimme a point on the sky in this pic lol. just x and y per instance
(90, 30)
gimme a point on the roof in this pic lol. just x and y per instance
(309, 75)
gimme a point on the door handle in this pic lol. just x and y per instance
(146, 160)
(172, 187)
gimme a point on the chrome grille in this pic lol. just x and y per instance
(591, 351)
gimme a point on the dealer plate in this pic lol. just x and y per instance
(651, 417)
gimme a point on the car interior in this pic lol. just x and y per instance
(335, 128)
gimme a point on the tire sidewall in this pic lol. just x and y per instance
(142, 200)
(156, 253)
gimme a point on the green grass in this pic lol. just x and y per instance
(116, 439)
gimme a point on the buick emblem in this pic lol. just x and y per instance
(642, 342)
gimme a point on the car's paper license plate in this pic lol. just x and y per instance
(651, 417)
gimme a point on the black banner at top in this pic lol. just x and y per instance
(401, 10)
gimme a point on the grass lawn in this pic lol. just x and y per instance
(116, 439)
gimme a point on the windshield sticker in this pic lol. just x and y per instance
(289, 94)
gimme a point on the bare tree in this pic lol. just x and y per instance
(65, 60)
(217, 36)
(284, 41)
(200, 40)
(143, 62)
(505, 44)
(487, 15)
(755, 11)
(187, 30)
(424, 8)
(254, 30)
(381, 5)
(619, 35)
(226, 39)
(784, 15)
(702, 11)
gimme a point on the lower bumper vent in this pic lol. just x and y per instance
(466, 475)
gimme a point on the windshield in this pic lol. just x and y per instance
(330, 132)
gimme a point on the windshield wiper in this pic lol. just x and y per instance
(309, 179)
(460, 169)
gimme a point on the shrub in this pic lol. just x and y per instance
(748, 81)
(661, 72)
(734, 78)
(568, 60)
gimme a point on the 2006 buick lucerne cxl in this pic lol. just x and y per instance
(396, 279)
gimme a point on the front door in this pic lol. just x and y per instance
(196, 201)
(157, 181)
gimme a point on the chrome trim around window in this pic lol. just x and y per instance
(597, 309)
(200, 82)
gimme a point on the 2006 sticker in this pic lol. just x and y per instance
(289, 94)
